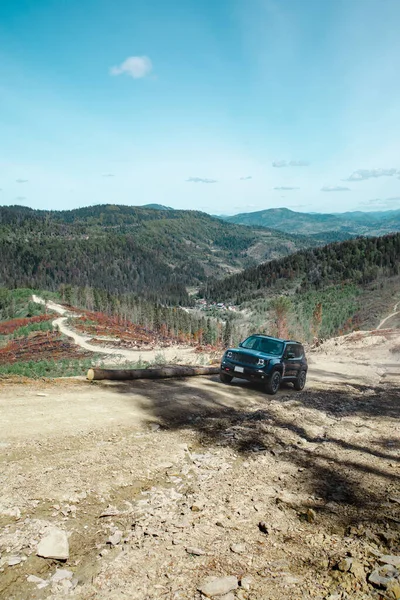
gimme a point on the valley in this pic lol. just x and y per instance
(172, 488)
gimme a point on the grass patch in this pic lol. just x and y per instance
(28, 329)
(47, 368)
(18, 303)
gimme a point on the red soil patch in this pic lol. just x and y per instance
(40, 346)
(8, 327)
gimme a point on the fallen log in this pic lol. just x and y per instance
(159, 373)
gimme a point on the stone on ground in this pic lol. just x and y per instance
(54, 545)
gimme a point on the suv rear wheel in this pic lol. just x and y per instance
(225, 378)
(273, 383)
(300, 382)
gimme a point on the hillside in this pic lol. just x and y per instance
(156, 253)
(324, 291)
(344, 224)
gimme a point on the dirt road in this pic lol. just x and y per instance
(187, 470)
(182, 354)
(386, 319)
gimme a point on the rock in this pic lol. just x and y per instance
(154, 427)
(196, 507)
(230, 596)
(34, 579)
(389, 559)
(263, 527)
(54, 545)
(218, 586)
(345, 564)
(395, 499)
(357, 570)
(42, 585)
(61, 574)
(238, 548)
(377, 579)
(195, 551)
(115, 538)
(246, 582)
(12, 512)
(110, 511)
(14, 560)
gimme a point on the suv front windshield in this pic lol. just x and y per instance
(265, 345)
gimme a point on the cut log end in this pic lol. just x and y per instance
(90, 374)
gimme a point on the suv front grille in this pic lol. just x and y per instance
(248, 359)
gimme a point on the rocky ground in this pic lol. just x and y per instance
(193, 489)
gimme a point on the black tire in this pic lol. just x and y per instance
(273, 383)
(300, 382)
(225, 378)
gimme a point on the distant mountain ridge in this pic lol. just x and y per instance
(128, 249)
(350, 223)
(156, 207)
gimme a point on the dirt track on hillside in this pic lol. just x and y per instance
(188, 469)
(118, 356)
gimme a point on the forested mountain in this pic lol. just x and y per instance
(357, 261)
(152, 252)
(343, 224)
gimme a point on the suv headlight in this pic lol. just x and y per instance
(229, 355)
(261, 362)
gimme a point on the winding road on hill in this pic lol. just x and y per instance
(171, 354)
(332, 368)
(393, 314)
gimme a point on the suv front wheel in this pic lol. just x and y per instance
(300, 382)
(225, 378)
(273, 383)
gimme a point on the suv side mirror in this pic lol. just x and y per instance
(240, 345)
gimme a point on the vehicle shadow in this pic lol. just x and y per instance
(327, 433)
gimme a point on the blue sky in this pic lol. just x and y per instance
(225, 106)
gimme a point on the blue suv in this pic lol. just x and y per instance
(267, 360)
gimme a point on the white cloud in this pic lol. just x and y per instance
(334, 188)
(362, 174)
(385, 203)
(200, 180)
(292, 163)
(246, 178)
(134, 66)
(285, 188)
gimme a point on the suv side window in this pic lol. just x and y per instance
(295, 349)
(290, 349)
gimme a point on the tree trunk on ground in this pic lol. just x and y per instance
(160, 373)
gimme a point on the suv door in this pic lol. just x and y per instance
(292, 360)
